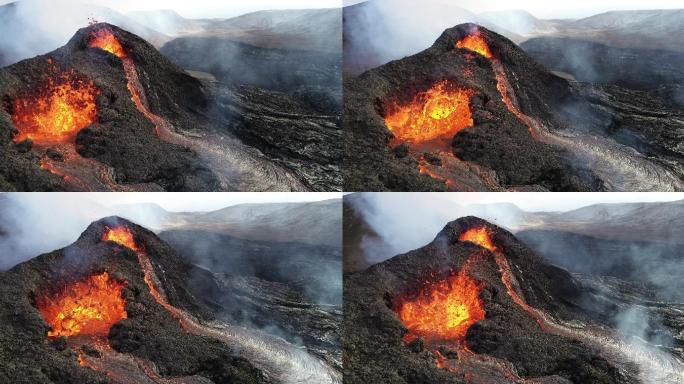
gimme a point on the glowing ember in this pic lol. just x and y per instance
(55, 111)
(438, 113)
(479, 236)
(443, 310)
(88, 307)
(122, 236)
(104, 39)
(476, 43)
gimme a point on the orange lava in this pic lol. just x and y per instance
(104, 39)
(476, 43)
(443, 310)
(55, 111)
(479, 236)
(438, 113)
(88, 307)
(121, 235)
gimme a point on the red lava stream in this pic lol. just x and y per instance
(285, 362)
(655, 366)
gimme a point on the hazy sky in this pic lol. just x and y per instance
(199, 201)
(202, 8)
(531, 201)
(556, 9)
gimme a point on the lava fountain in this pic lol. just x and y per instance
(434, 115)
(443, 310)
(121, 235)
(476, 43)
(479, 236)
(89, 307)
(56, 110)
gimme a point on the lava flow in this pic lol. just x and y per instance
(57, 109)
(105, 40)
(122, 236)
(89, 307)
(475, 42)
(444, 310)
(434, 115)
(479, 236)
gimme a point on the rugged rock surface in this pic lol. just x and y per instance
(583, 137)
(149, 332)
(210, 338)
(375, 352)
(202, 149)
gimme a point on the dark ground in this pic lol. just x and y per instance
(498, 152)
(290, 134)
(373, 346)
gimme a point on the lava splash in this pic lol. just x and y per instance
(56, 110)
(88, 307)
(444, 310)
(438, 113)
(476, 43)
(479, 236)
(104, 39)
(121, 235)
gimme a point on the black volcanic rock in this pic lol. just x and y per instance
(221, 137)
(373, 345)
(124, 139)
(499, 142)
(150, 332)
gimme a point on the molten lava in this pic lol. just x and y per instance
(476, 43)
(105, 40)
(479, 236)
(121, 235)
(88, 307)
(55, 111)
(443, 310)
(437, 113)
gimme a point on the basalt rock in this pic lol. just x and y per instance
(510, 344)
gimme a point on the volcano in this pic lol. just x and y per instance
(120, 305)
(474, 112)
(108, 112)
(477, 306)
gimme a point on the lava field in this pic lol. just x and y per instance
(108, 112)
(120, 305)
(475, 112)
(476, 305)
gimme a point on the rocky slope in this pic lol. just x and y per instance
(523, 128)
(565, 325)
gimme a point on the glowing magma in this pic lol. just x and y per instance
(104, 39)
(88, 307)
(443, 310)
(55, 111)
(476, 43)
(439, 112)
(121, 235)
(479, 236)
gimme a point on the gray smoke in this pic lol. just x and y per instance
(35, 223)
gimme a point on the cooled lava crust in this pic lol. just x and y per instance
(149, 331)
(498, 152)
(276, 128)
(374, 346)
